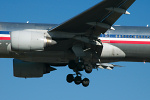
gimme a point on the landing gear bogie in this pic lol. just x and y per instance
(77, 80)
(77, 67)
(80, 66)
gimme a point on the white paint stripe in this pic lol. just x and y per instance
(4, 35)
(125, 39)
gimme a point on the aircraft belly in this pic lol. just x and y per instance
(48, 56)
(110, 53)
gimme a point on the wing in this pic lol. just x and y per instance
(100, 17)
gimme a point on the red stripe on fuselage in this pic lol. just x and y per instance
(126, 42)
(4, 38)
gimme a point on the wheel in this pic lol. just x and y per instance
(72, 64)
(85, 82)
(88, 69)
(77, 80)
(69, 78)
(80, 66)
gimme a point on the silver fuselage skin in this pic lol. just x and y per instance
(125, 43)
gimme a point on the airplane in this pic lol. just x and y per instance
(87, 41)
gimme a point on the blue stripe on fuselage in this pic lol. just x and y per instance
(125, 36)
(4, 32)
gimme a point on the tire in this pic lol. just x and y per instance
(80, 66)
(72, 64)
(88, 69)
(77, 80)
(69, 78)
(85, 82)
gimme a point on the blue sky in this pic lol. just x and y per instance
(131, 82)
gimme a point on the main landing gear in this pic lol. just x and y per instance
(76, 67)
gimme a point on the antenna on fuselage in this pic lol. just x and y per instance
(27, 21)
(147, 25)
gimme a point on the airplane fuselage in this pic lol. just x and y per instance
(122, 44)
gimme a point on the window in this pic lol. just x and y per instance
(141, 36)
(132, 36)
(138, 36)
(135, 36)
